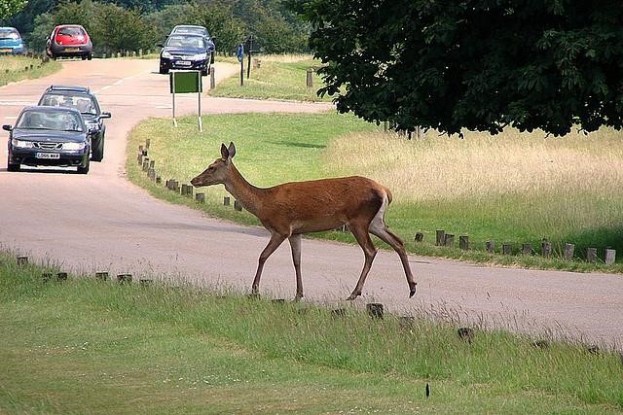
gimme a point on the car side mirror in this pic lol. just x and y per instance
(105, 115)
(7, 127)
(160, 45)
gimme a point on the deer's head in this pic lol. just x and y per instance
(218, 171)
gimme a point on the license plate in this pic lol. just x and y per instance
(48, 156)
(72, 49)
(184, 63)
(6, 50)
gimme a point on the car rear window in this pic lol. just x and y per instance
(71, 31)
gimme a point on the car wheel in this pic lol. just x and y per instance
(85, 168)
(164, 71)
(205, 72)
(98, 150)
(12, 167)
(84, 57)
(89, 56)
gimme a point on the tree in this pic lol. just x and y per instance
(10, 7)
(474, 64)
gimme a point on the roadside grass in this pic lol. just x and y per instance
(280, 77)
(17, 68)
(511, 188)
(98, 347)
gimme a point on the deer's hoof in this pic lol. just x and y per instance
(412, 293)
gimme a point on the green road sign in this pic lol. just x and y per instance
(182, 82)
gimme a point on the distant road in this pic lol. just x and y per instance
(101, 222)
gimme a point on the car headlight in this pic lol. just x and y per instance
(198, 57)
(74, 146)
(21, 144)
(92, 126)
(166, 55)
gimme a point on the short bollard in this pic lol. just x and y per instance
(375, 310)
(22, 260)
(124, 278)
(61, 276)
(101, 276)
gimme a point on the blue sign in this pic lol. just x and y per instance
(240, 52)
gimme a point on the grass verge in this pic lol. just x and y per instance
(98, 347)
(16, 68)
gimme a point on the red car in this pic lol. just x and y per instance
(69, 40)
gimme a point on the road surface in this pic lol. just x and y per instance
(101, 222)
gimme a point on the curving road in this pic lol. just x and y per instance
(101, 222)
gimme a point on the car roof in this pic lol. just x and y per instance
(65, 88)
(45, 108)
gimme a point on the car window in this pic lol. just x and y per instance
(9, 33)
(84, 104)
(71, 31)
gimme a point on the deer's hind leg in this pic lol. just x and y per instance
(295, 245)
(379, 228)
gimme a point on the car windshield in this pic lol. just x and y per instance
(71, 31)
(84, 104)
(186, 42)
(191, 29)
(50, 120)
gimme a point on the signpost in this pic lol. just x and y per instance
(183, 82)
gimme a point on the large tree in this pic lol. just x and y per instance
(474, 64)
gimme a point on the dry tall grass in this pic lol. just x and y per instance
(434, 167)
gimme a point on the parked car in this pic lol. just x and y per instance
(49, 136)
(69, 40)
(11, 41)
(83, 100)
(198, 30)
(185, 51)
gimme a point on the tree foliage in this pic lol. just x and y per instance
(474, 64)
(9, 7)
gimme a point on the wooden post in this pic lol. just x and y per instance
(101, 276)
(419, 237)
(200, 197)
(147, 143)
(591, 254)
(237, 206)
(449, 240)
(22, 260)
(212, 79)
(124, 278)
(546, 249)
(526, 249)
(226, 201)
(507, 249)
(310, 78)
(611, 255)
(490, 246)
(61, 276)
(464, 242)
(440, 237)
(568, 252)
(375, 310)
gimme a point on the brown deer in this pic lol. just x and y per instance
(292, 209)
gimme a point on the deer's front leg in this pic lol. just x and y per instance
(275, 241)
(295, 244)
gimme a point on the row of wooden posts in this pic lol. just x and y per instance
(442, 238)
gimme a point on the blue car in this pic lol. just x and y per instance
(11, 41)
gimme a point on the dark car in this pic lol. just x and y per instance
(49, 136)
(185, 51)
(197, 30)
(11, 41)
(69, 40)
(83, 100)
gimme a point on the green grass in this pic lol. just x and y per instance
(17, 68)
(281, 77)
(86, 346)
(513, 199)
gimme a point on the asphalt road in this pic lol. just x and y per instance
(101, 222)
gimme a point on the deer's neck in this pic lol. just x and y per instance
(245, 193)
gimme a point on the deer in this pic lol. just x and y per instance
(290, 210)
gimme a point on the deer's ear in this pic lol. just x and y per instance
(232, 150)
(224, 152)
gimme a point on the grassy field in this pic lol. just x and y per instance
(277, 77)
(16, 68)
(511, 189)
(85, 346)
